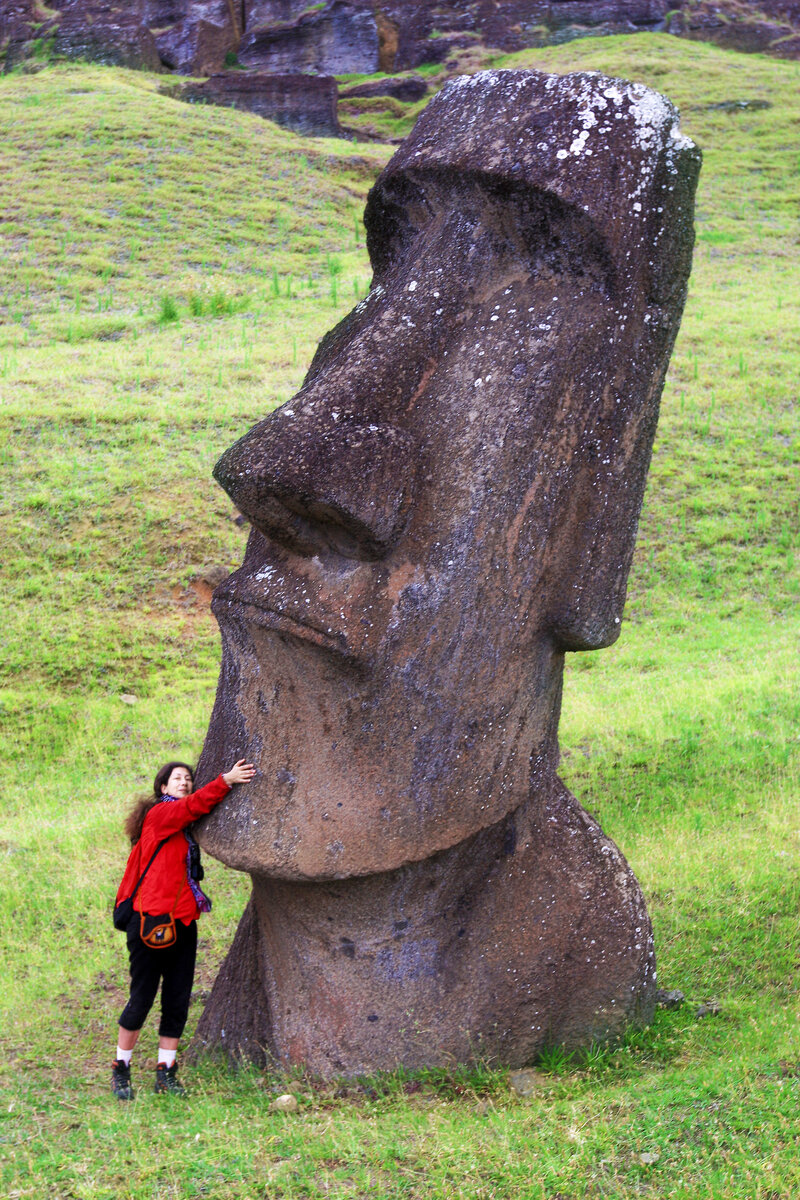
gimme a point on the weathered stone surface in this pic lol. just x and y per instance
(737, 26)
(673, 998)
(275, 12)
(206, 47)
(194, 36)
(636, 14)
(108, 35)
(427, 33)
(341, 36)
(17, 19)
(786, 48)
(24, 28)
(183, 35)
(789, 10)
(447, 506)
(304, 103)
(336, 39)
(409, 88)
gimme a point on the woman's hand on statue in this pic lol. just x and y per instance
(240, 772)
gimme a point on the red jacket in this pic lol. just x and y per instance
(167, 881)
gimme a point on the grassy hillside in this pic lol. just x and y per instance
(166, 273)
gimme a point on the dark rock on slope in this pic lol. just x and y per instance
(409, 89)
(304, 103)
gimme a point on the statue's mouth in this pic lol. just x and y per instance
(231, 603)
(317, 602)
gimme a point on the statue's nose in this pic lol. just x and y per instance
(321, 484)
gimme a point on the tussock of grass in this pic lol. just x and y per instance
(682, 738)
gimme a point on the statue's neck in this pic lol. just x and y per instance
(363, 955)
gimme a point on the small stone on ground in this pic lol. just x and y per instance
(710, 1009)
(669, 999)
(525, 1082)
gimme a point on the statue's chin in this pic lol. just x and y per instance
(336, 798)
(311, 836)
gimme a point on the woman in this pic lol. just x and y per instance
(162, 875)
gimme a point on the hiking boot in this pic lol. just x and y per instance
(167, 1080)
(121, 1080)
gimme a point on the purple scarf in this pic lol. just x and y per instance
(202, 900)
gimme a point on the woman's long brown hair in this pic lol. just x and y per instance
(142, 804)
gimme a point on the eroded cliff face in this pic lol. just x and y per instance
(363, 36)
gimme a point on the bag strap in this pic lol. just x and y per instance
(184, 882)
(149, 865)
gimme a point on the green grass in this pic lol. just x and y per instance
(166, 273)
(176, 293)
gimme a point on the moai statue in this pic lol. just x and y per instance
(446, 507)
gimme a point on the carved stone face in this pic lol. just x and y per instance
(450, 501)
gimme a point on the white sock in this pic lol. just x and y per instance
(167, 1057)
(124, 1055)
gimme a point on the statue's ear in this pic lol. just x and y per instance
(594, 522)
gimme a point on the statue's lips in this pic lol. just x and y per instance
(230, 604)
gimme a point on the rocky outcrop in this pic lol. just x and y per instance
(99, 31)
(770, 27)
(428, 34)
(339, 37)
(17, 18)
(18, 29)
(304, 103)
(195, 36)
(343, 36)
(107, 35)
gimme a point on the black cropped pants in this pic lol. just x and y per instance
(172, 967)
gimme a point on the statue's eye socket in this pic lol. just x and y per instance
(343, 489)
(540, 229)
